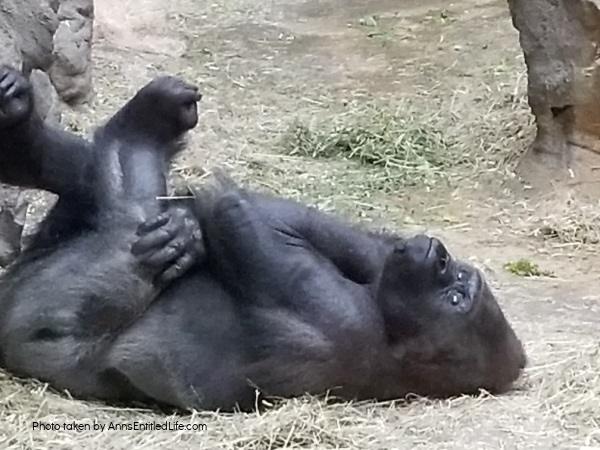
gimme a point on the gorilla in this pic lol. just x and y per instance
(208, 302)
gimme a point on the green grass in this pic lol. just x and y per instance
(525, 268)
(405, 150)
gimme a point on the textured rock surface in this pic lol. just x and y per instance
(50, 40)
(560, 40)
(53, 36)
(13, 212)
(30, 25)
(9, 52)
(71, 70)
(47, 102)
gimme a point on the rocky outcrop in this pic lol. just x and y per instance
(13, 212)
(71, 69)
(29, 26)
(560, 40)
(52, 36)
(47, 101)
(51, 41)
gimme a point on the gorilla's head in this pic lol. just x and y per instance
(447, 332)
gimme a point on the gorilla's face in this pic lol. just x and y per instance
(446, 329)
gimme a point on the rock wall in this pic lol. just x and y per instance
(561, 40)
(71, 67)
(54, 37)
(50, 40)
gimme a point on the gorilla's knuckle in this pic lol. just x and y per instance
(178, 246)
(178, 212)
(193, 233)
(196, 234)
(185, 262)
(164, 233)
(162, 218)
(229, 204)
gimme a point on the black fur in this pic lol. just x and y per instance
(122, 298)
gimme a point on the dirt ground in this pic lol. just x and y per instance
(261, 64)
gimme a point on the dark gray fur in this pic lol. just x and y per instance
(121, 298)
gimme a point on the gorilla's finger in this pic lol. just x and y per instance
(169, 253)
(12, 90)
(153, 224)
(182, 265)
(153, 242)
(9, 79)
(189, 117)
(186, 92)
(156, 239)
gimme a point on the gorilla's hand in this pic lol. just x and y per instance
(166, 107)
(177, 99)
(170, 244)
(16, 97)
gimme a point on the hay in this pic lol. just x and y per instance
(556, 398)
(571, 392)
(406, 150)
(566, 219)
(453, 116)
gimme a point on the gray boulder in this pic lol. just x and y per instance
(560, 39)
(13, 212)
(71, 71)
(47, 102)
(30, 25)
(51, 41)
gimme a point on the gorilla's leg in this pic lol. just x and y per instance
(63, 306)
(134, 149)
(33, 154)
(261, 256)
(355, 252)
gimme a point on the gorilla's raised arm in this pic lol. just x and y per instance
(65, 302)
(32, 153)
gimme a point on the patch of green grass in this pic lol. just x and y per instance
(442, 17)
(369, 21)
(525, 268)
(377, 29)
(405, 150)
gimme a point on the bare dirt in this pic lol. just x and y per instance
(262, 63)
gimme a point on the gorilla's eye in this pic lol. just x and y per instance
(455, 299)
